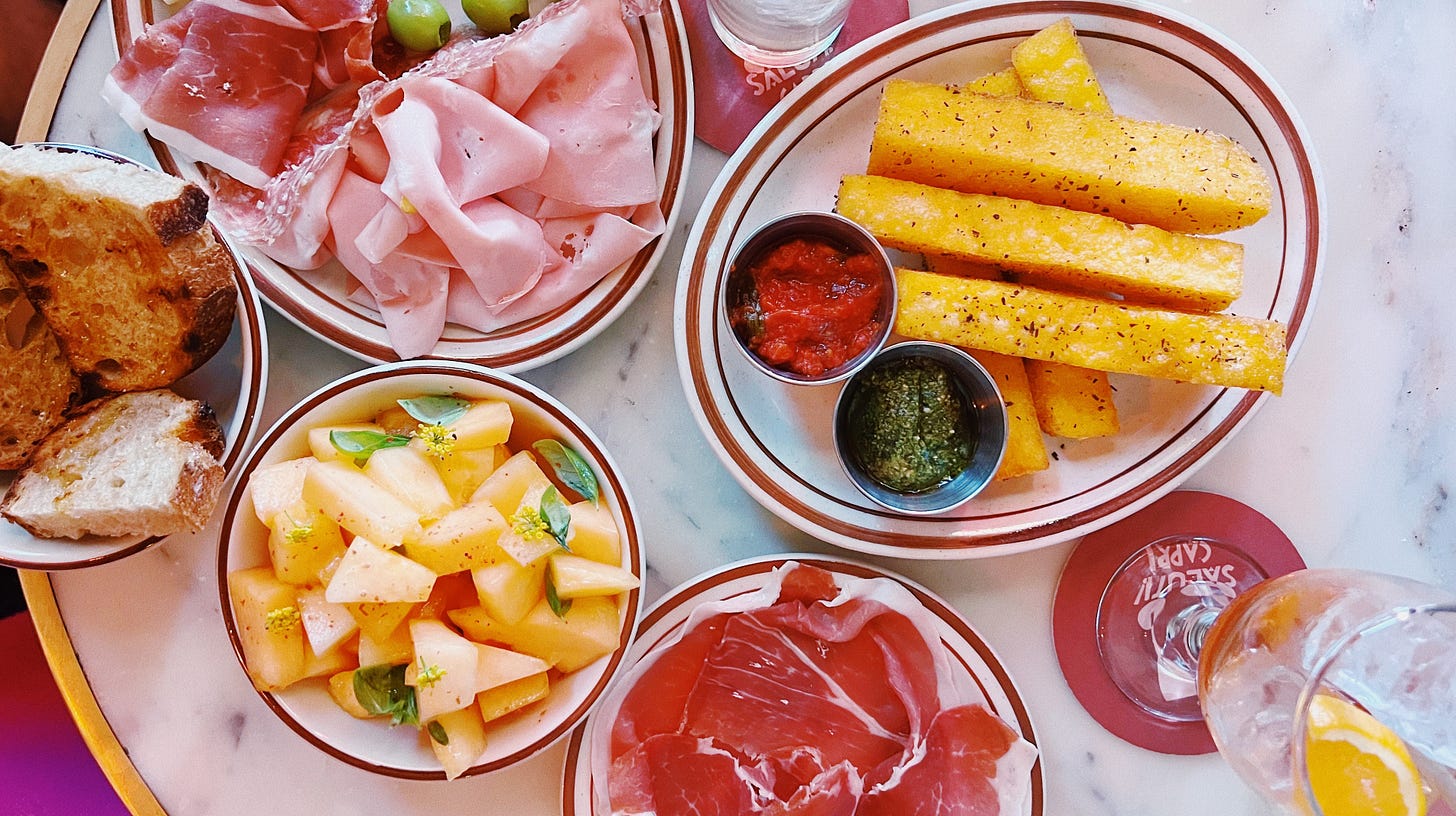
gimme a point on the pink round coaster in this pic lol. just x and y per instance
(729, 98)
(1092, 564)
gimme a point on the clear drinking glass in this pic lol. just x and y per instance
(777, 33)
(1319, 687)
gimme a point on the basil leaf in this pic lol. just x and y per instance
(570, 468)
(381, 690)
(437, 732)
(436, 409)
(362, 444)
(556, 515)
(559, 606)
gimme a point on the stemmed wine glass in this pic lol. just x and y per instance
(1329, 691)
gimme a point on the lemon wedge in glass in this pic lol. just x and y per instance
(1357, 765)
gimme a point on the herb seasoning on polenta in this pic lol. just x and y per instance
(811, 306)
(907, 426)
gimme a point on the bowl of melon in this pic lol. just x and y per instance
(430, 569)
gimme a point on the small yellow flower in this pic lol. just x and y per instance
(439, 440)
(528, 524)
(429, 675)
(282, 619)
(299, 533)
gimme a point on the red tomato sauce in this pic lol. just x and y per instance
(813, 306)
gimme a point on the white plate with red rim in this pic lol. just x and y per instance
(233, 381)
(663, 623)
(317, 302)
(306, 707)
(1153, 64)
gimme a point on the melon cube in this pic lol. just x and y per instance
(396, 420)
(395, 650)
(463, 539)
(358, 504)
(302, 543)
(328, 663)
(411, 476)
(464, 740)
(323, 448)
(590, 628)
(464, 471)
(326, 624)
(443, 671)
(277, 488)
(369, 573)
(379, 620)
(577, 577)
(524, 539)
(505, 487)
(508, 590)
(450, 592)
(594, 533)
(496, 667)
(485, 425)
(269, 627)
(341, 689)
(517, 694)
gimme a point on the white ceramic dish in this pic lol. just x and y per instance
(316, 300)
(664, 622)
(1154, 64)
(233, 382)
(306, 707)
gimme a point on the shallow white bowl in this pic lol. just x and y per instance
(233, 382)
(306, 707)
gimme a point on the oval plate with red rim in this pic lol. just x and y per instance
(1154, 64)
(968, 652)
(316, 300)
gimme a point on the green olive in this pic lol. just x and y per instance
(496, 16)
(419, 25)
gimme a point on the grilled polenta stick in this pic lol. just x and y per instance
(1008, 318)
(1090, 251)
(1025, 448)
(1172, 177)
(1002, 83)
(1071, 401)
(1051, 66)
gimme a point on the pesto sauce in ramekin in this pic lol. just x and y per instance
(907, 425)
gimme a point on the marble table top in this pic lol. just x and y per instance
(1355, 462)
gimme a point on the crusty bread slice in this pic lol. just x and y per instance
(37, 385)
(144, 463)
(121, 263)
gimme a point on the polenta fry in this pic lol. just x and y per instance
(1051, 66)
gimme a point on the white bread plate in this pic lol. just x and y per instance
(233, 382)
(374, 745)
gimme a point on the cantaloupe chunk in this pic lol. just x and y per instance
(485, 425)
(464, 740)
(380, 620)
(525, 538)
(277, 488)
(443, 671)
(357, 503)
(464, 538)
(269, 627)
(396, 649)
(411, 476)
(497, 702)
(590, 628)
(325, 664)
(369, 573)
(326, 624)
(341, 690)
(322, 446)
(302, 542)
(504, 488)
(464, 471)
(594, 533)
(497, 667)
(577, 577)
(509, 590)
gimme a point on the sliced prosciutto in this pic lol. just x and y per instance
(510, 174)
(820, 695)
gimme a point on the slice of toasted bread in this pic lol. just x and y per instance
(121, 263)
(144, 463)
(37, 385)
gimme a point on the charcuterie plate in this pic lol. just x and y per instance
(973, 664)
(1153, 64)
(319, 300)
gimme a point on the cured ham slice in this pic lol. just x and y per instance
(820, 695)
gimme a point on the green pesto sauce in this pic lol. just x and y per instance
(908, 424)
